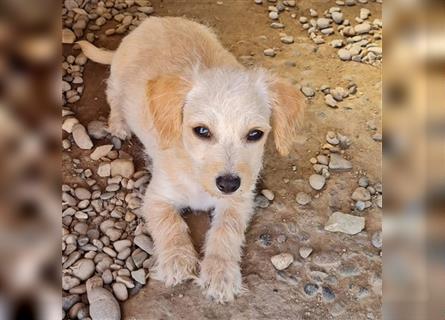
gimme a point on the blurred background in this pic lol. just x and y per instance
(414, 165)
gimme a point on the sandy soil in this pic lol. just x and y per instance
(349, 265)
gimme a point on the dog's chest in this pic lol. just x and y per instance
(198, 199)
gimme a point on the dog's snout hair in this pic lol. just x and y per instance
(204, 120)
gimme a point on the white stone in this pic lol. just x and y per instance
(345, 223)
(282, 261)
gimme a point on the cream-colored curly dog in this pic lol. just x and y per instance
(203, 119)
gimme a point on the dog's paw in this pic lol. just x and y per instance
(176, 267)
(221, 279)
(119, 129)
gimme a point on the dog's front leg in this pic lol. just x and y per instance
(220, 272)
(176, 257)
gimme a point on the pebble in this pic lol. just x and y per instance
(81, 137)
(305, 252)
(261, 201)
(337, 17)
(121, 244)
(377, 240)
(69, 282)
(287, 39)
(338, 163)
(273, 15)
(323, 23)
(69, 123)
(311, 289)
(68, 36)
(379, 201)
(122, 167)
(101, 151)
(139, 275)
(265, 239)
(308, 91)
(120, 291)
(144, 242)
(82, 194)
(330, 101)
(103, 305)
(125, 280)
(104, 169)
(361, 194)
(269, 52)
(328, 294)
(377, 137)
(331, 137)
(363, 182)
(362, 28)
(344, 54)
(364, 13)
(337, 43)
(317, 181)
(303, 198)
(268, 194)
(83, 269)
(282, 261)
(345, 223)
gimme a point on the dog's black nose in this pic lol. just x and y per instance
(228, 183)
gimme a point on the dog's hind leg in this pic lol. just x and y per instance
(117, 125)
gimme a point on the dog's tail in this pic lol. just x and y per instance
(94, 53)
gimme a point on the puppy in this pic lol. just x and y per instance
(204, 119)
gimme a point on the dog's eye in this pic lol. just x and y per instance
(254, 135)
(202, 132)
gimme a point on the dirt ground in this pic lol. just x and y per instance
(348, 265)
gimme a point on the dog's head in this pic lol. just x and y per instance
(222, 119)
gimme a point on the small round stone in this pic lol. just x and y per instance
(311, 289)
(317, 181)
(303, 198)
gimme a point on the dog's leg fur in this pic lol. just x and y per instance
(117, 125)
(176, 257)
(220, 270)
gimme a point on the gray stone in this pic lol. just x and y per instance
(363, 182)
(337, 17)
(344, 54)
(83, 269)
(308, 91)
(121, 245)
(144, 242)
(338, 163)
(345, 223)
(69, 282)
(120, 291)
(361, 194)
(323, 23)
(362, 28)
(82, 193)
(103, 305)
(287, 39)
(303, 198)
(139, 275)
(377, 240)
(317, 181)
(305, 252)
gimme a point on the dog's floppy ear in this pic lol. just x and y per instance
(166, 95)
(287, 114)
